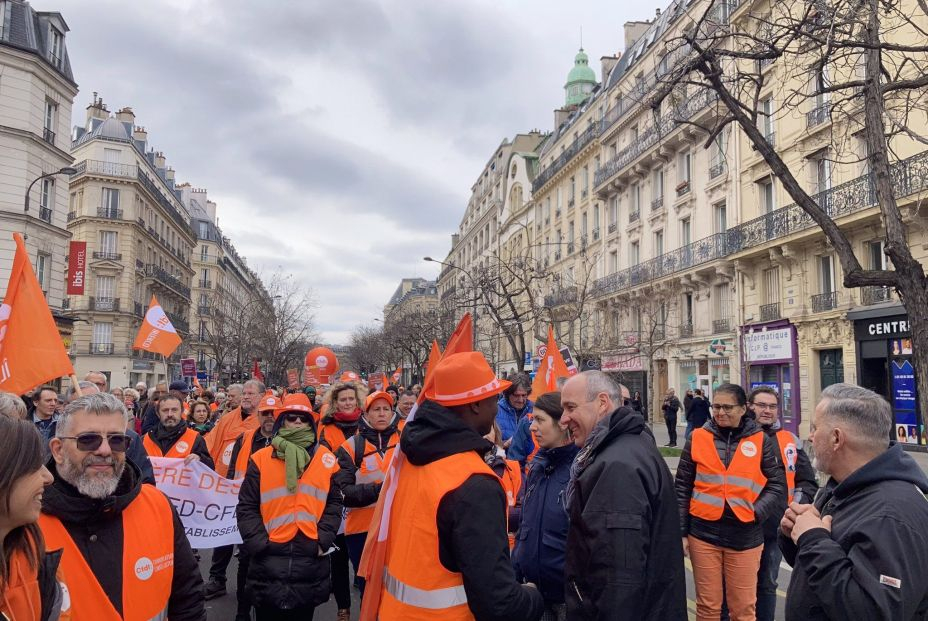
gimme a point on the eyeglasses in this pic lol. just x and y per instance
(728, 407)
(293, 418)
(771, 407)
(87, 442)
(266, 412)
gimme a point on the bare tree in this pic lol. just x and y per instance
(861, 64)
(572, 306)
(284, 325)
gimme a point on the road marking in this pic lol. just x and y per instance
(689, 567)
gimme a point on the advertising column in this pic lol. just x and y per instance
(770, 359)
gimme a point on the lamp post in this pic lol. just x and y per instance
(67, 170)
(472, 284)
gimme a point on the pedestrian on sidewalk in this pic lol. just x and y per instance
(670, 407)
(728, 483)
(624, 559)
(699, 413)
(861, 548)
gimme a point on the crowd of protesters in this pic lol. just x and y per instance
(512, 507)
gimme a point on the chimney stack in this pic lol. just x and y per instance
(608, 64)
(159, 160)
(96, 110)
(561, 115)
(126, 115)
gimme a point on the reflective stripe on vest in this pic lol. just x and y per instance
(180, 449)
(285, 513)
(739, 485)
(147, 564)
(418, 587)
(788, 445)
(373, 469)
(438, 599)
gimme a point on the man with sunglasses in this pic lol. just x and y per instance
(124, 549)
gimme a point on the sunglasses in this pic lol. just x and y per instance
(293, 418)
(87, 442)
(728, 407)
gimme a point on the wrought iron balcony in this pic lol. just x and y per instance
(109, 169)
(717, 170)
(683, 188)
(824, 302)
(204, 309)
(686, 329)
(139, 310)
(584, 193)
(45, 214)
(205, 284)
(769, 312)
(570, 248)
(634, 216)
(109, 212)
(102, 349)
(596, 233)
(66, 304)
(109, 256)
(139, 264)
(180, 324)
(160, 275)
(763, 63)
(109, 305)
(818, 115)
(48, 135)
(875, 295)
(657, 203)
(570, 203)
(613, 227)
(721, 325)
(567, 295)
(771, 138)
(557, 255)
(72, 215)
(591, 133)
(557, 213)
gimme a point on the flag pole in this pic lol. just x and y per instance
(75, 385)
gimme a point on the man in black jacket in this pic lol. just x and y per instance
(861, 548)
(171, 429)
(670, 407)
(92, 489)
(624, 553)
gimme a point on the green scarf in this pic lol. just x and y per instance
(291, 446)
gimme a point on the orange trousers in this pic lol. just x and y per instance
(713, 564)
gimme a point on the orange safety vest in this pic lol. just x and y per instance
(181, 448)
(147, 563)
(372, 468)
(789, 451)
(244, 453)
(739, 485)
(21, 598)
(416, 586)
(284, 513)
(331, 436)
(512, 482)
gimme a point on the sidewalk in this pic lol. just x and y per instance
(660, 435)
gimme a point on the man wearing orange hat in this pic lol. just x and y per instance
(447, 554)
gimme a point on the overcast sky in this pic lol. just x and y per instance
(340, 139)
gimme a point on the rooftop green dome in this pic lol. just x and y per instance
(580, 80)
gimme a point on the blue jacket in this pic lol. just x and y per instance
(508, 418)
(542, 538)
(522, 443)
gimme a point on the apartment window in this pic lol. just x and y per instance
(821, 172)
(826, 273)
(204, 253)
(585, 180)
(613, 210)
(635, 194)
(202, 331)
(684, 167)
(717, 154)
(864, 153)
(613, 262)
(570, 232)
(110, 199)
(720, 217)
(765, 118)
(102, 333)
(876, 255)
(686, 234)
(204, 230)
(547, 210)
(43, 267)
(108, 242)
(634, 254)
(658, 243)
(767, 195)
(583, 227)
(47, 197)
(596, 217)
(657, 184)
(557, 195)
(721, 296)
(772, 286)
(50, 122)
(688, 308)
(57, 48)
(106, 288)
(573, 190)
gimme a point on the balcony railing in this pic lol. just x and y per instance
(818, 115)
(686, 329)
(48, 135)
(721, 325)
(72, 215)
(103, 349)
(653, 134)
(875, 295)
(108, 256)
(205, 284)
(557, 255)
(109, 305)
(596, 233)
(683, 188)
(634, 216)
(570, 203)
(109, 169)
(769, 312)
(613, 227)
(717, 170)
(66, 304)
(45, 214)
(205, 309)
(557, 213)
(567, 295)
(109, 212)
(165, 278)
(138, 309)
(657, 204)
(824, 302)
(591, 133)
(771, 138)
(570, 248)
(180, 324)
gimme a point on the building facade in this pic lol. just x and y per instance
(124, 205)
(37, 90)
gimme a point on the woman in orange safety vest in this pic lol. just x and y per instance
(728, 482)
(30, 589)
(366, 456)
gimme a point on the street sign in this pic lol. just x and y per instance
(542, 350)
(188, 367)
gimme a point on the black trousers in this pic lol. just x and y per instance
(244, 604)
(341, 583)
(671, 427)
(304, 613)
(222, 556)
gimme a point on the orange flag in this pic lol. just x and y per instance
(31, 349)
(434, 357)
(552, 367)
(156, 332)
(375, 549)
(398, 374)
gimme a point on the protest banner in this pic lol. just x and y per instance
(205, 501)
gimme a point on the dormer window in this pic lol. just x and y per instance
(56, 47)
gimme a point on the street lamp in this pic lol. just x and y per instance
(67, 170)
(472, 284)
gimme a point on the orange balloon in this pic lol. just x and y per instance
(322, 363)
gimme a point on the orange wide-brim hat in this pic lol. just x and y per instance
(464, 378)
(295, 402)
(374, 396)
(268, 402)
